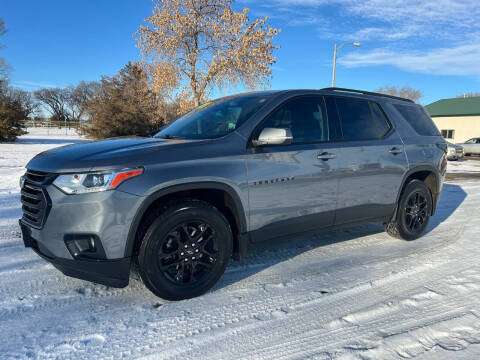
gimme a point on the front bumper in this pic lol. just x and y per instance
(113, 273)
(107, 215)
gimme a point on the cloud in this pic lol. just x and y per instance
(401, 19)
(308, 3)
(433, 12)
(459, 60)
(383, 34)
(295, 13)
(31, 84)
(382, 19)
(288, 3)
(439, 37)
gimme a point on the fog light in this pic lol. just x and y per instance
(85, 246)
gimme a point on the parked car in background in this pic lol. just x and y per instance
(454, 151)
(180, 205)
(471, 147)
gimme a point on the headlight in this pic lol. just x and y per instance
(81, 183)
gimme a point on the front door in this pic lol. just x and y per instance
(293, 187)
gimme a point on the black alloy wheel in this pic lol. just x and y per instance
(188, 252)
(185, 249)
(415, 211)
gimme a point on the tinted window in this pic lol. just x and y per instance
(304, 116)
(216, 118)
(418, 119)
(358, 121)
(381, 122)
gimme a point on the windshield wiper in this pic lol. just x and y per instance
(168, 136)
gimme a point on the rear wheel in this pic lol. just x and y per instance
(413, 212)
(185, 250)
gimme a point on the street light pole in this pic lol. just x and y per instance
(336, 49)
(334, 64)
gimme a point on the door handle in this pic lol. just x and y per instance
(325, 156)
(395, 151)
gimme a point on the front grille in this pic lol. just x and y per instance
(37, 177)
(35, 200)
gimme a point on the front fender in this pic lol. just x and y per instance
(168, 189)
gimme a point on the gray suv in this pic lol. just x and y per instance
(241, 169)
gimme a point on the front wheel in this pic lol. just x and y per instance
(413, 212)
(185, 250)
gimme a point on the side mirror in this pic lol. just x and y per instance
(274, 136)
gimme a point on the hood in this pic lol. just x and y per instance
(104, 154)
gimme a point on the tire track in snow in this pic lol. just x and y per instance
(71, 299)
(310, 311)
(67, 297)
(256, 304)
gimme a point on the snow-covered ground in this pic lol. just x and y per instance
(347, 294)
(464, 165)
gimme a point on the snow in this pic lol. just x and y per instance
(462, 166)
(354, 293)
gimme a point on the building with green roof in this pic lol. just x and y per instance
(458, 119)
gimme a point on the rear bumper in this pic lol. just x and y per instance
(115, 273)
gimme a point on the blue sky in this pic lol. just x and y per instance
(432, 45)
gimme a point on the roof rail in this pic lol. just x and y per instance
(366, 93)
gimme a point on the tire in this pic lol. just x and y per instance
(185, 250)
(413, 212)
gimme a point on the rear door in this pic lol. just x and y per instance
(293, 187)
(372, 160)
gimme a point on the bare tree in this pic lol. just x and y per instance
(3, 64)
(469, 95)
(79, 96)
(405, 92)
(56, 100)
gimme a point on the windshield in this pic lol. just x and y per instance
(216, 118)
